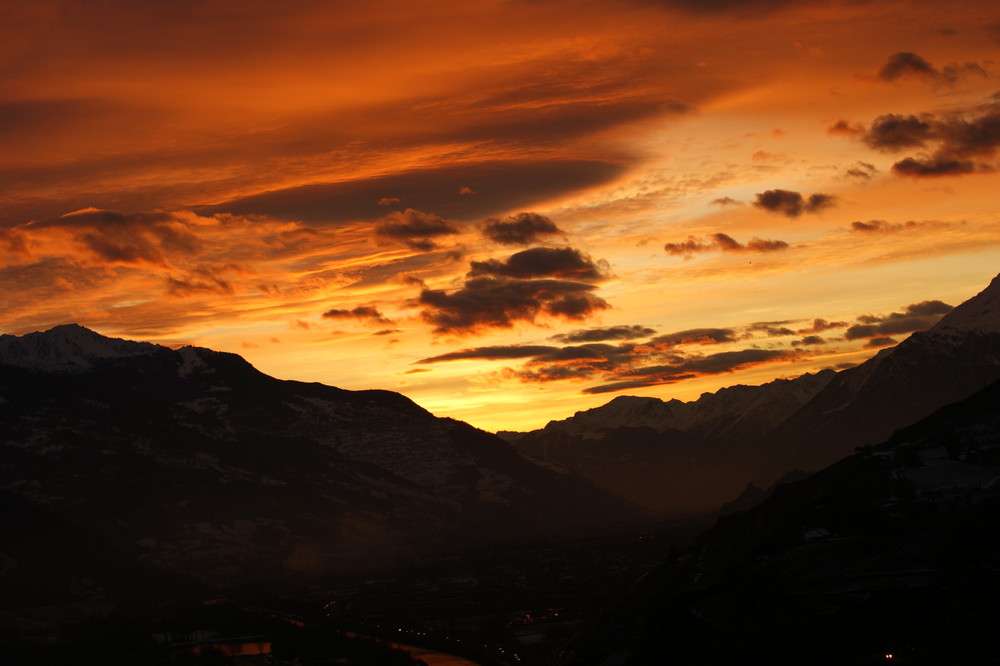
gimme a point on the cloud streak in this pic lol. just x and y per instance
(719, 242)
(623, 332)
(362, 312)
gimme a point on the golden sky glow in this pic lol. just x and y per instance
(507, 210)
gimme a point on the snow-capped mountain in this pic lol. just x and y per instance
(66, 348)
(697, 455)
(900, 385)
(733, 411)
(193, 462)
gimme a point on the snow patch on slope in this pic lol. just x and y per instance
(191, 362)
(979, 313)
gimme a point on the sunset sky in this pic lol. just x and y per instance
(506, 210)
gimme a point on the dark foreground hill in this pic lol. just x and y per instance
(892, 551)
(118, 459)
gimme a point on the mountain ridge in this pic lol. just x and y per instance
(193, 462)
(646, 449)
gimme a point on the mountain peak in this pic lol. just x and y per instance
(66, 348)
(980, 313)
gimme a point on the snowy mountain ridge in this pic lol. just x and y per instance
(66, 348)
(712, 413)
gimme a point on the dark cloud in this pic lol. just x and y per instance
(365, 312)
(500, 186)
(725, 201)
(698, 336)
(883, 227)
(623, 332)
(930, 168)
(820, 325)
(906, 64)
(809, 340)
(929, 308)
(719, 242)
(875, 343)
(953, 141)
(916, 317)
(499, 302)
(520, 229)
(386, 331)
(893, 132)
(564, 262)
(492, 353)
(691, 246)
(414, 228)
(137, 238)
(793, 204)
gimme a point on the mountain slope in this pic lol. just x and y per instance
(893, 550)
(697, 455)
(671, 456)
(865, 404)
(194, 462)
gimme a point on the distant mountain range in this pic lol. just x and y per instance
(676, 456)
(121, 458)
(892, 555)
